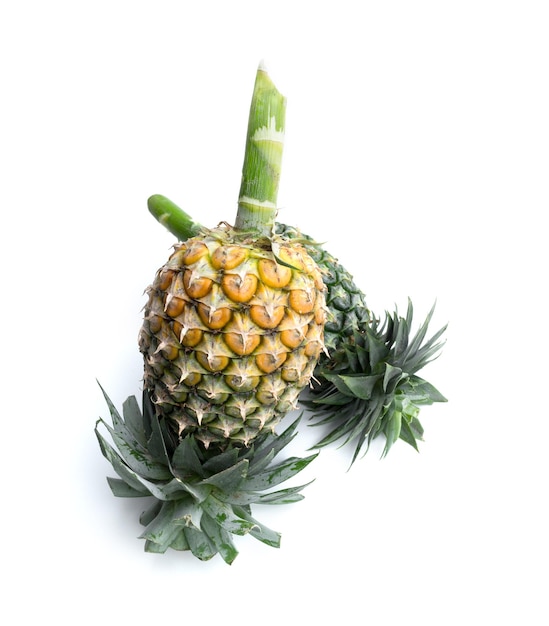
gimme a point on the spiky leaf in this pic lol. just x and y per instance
(199, 499)
(370, 386)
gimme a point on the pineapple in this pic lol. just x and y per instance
(346, 308)
(233, 326)
(232, 331)
(240, 322)
(368, 385)
(365, 384)
(345, 303)
(231, 335)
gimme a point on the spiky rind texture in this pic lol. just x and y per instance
(232, 331)
(370, 386)
(346, 308)
(198, 499)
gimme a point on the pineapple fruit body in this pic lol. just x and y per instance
(231, 335)
(346, 309)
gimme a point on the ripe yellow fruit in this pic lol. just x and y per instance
(231, 335)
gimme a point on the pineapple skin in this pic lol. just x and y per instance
(346, 309)
(231, 335)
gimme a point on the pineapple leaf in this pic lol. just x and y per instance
(156, 444)
(392, 429)
(258, 465)
(199, 544)
(354, 386)
(137, 459)
(125, 473)
(376, 347)
(273, 476)
(343, 429)
(345, 386)
(362, 398)
(420, 335)
(133, 419)
(121, 489)
(165, 523)
(260, 531)
(200, 497)
(331, 397)
(224, 515)
(230, 479)
(162, 491)
(271, 446)
(148, 413)
(148, 515)
(417, 429)
(407, 435)
(391, 378)
(282, 496)
(179, 541)
(186, 459)
(363, 358)
(162, 530)
(221, 461)
(197, 490)
(422, 392)
(402, 334)
(220, 538)
(240, 498)
(187, 513)
(120, 427)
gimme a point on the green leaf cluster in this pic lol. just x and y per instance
(370, 386)
(198, 500)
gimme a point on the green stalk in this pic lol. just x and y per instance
(173, 218)
(260, 171)
(262, 158)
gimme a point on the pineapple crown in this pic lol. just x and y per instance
(369, 387)
(198, 500)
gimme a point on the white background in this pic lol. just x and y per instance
(417, 148)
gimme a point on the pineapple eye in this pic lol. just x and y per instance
(273, 274)
(212, 363)
(242, 344)
(239, 289)
(196, 287)
(192, 379)
(165, 278)
(302, 301)
(194, 252)
(242, 384)
(214, 319)
(174, 306)
(291, 338)
(228, 257)
(268, 363)
(266, 318)
(170, 353)
(155, 323)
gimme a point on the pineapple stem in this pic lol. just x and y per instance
(262, 158)
(172, 217)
